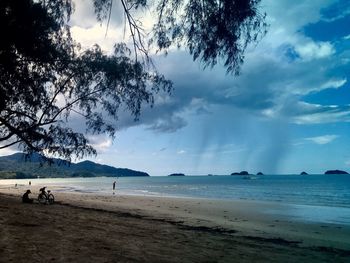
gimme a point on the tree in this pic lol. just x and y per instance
(212, 30)
(46, 78)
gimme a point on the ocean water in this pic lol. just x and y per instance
(322, 197)
(319, 190)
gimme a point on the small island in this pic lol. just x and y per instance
(259, 173)
(177, 174)
(241, 173)
(336, 172)
(303, 173)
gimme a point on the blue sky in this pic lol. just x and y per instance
(288, 111)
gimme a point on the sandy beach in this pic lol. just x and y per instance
(119, 228)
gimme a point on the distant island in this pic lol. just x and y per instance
(17, 166)
(336, 172)
(177, 174)
(303, 173)
(259, 173)
(241, 173)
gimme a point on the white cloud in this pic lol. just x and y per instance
(8, 151)
(325, 139)
(83, 15)
(100, 142)
(96, 34)
(333, 83)
(285, 25)
(306, 113)
(87, 30)
(314, 50)
(292, 15)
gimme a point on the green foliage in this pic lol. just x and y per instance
(21, 175)
(7, 175)
(212, 30)
(45, 77)
(83, 174)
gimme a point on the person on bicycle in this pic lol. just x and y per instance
(45, 197)
(42, 190)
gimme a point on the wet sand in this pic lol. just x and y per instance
(115, 228)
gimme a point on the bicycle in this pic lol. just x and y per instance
(45, 197)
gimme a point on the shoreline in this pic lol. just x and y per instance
(308, 213)
(237, 189)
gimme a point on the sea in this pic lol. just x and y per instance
(324, 198)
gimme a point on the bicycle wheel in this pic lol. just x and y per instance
(51, 199)
(41, 199)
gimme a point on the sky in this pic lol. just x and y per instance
(287, 112)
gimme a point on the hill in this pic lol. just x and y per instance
(19, 166)
(177, 174)
(336, 172)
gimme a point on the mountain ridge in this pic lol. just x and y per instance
(19, 165)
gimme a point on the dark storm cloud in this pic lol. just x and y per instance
(171, 124)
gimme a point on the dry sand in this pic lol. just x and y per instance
(115, 228)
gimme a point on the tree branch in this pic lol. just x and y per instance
(109, 17)
(10, 144)
(7, 137)
(135, 31)
(59, 90)
(20, 113)
(75, 101)
(19, 134)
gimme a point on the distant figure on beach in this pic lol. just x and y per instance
(30, 183)
(114, 185)
(16, 185)
(25, 197)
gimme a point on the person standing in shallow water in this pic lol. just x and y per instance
(114, 185)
